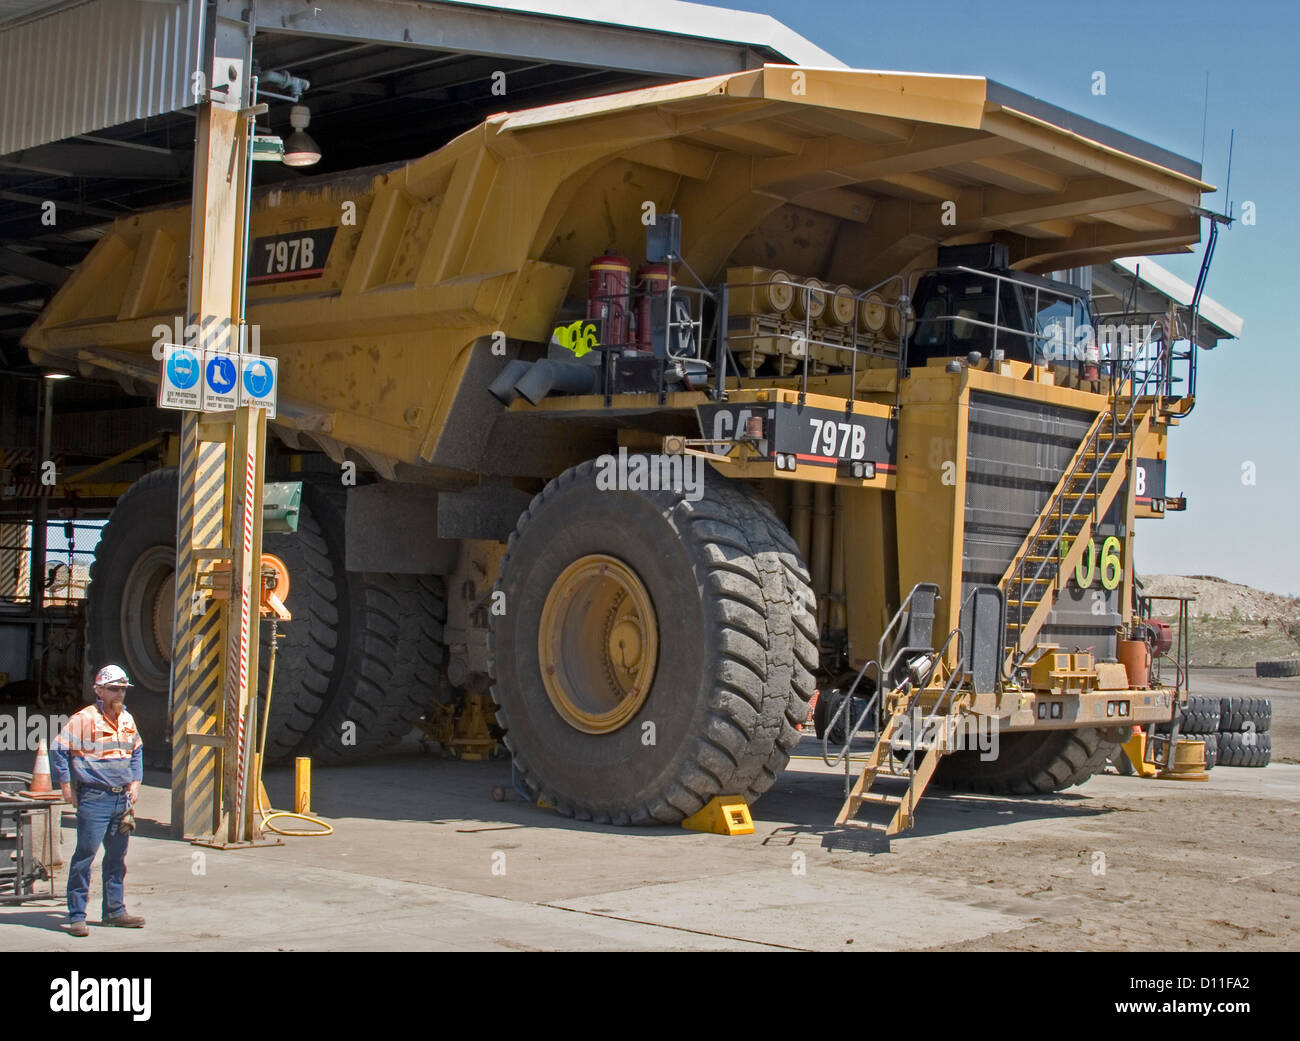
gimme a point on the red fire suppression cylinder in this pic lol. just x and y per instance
(609, 286)
(652, 280)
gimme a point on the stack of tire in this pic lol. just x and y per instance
(1244, 739)
(1235, 730)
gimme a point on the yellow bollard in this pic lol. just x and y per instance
(302, 785)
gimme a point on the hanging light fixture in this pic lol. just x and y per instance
(300, 149)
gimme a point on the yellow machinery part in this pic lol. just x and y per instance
(722, 815)
(598, 644)
(1189, 763)
(465, 732)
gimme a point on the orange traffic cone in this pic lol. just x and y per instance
(41, 787)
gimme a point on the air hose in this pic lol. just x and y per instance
(266, 812)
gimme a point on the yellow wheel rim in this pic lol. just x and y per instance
(597, 644)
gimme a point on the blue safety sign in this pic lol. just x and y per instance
(221, 373)
(258, 382)
(220, 381)
(179, 386)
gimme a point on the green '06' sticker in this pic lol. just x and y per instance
(1085, 571)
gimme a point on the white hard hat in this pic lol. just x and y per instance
(112, 676)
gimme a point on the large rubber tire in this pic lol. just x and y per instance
(1029, 763)
(389, 650)
(305, 656)
(1238, 714)
(802, 604)
(1235, 751)
(1278, 668)
(1201, 716)
(142, 531)
(137, 547)
(737, 649)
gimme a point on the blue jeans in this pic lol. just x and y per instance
(98, 815)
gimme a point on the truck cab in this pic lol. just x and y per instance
(974, 302)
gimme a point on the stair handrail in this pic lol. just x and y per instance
(843, 707)
(957, 675)
(875, 701)
(1128, 371)
(954, 681)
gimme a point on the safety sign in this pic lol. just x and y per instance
(220, 381)
(215, 381)
(258, 382)
(182, 370)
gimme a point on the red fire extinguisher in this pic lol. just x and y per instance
(652, 280)
(609, 285)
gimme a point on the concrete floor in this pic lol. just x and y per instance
(1119, 863)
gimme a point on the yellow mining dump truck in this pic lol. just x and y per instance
(676, 406)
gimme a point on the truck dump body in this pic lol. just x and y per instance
(843, 175)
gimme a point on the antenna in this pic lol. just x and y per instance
(1228, 186)
(1205, 115)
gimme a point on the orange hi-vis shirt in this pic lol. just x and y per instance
(92, 749)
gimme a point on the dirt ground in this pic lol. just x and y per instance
(423, 858)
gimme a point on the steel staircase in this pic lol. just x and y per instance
(1093, 479)
(907, 726)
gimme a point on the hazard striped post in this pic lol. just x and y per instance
(15, 554)
(201, 751)
(197, 645)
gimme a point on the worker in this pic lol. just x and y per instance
(98, 762)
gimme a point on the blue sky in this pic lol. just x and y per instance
(1155, 55)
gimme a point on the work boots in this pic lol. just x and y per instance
(126, 921)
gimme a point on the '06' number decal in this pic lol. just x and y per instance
(1085, 571)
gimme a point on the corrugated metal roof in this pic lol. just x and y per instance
(17, 10)
(679, 19)
(91, 65)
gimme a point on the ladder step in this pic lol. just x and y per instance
(879, 798)
(866, 826)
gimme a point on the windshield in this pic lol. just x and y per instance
(956, 315)
(1065, 331)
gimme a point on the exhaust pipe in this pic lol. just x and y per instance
(534, 380)
(503, 387)
(547, 376)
